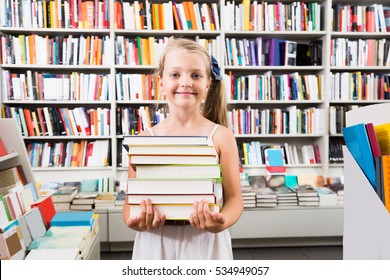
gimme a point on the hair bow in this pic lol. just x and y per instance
(215, 69)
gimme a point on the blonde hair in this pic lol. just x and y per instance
(215, 106)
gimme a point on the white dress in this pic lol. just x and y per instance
(183, 242)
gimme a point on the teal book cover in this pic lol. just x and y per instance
(73, 218)
(358, 144)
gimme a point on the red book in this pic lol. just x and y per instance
(370, 19)
(46, 207)
(29, 123)
(3, 150)
(376, 151)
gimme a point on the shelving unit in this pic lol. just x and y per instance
(367, 221)
(110, 67)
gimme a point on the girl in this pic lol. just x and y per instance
(187, 75)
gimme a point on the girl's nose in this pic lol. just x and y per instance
(186, 81)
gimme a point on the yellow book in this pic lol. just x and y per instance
(383, 134)
(35, 121)
(244, 148)
(246, 16)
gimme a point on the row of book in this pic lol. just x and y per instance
(91, 14)
(185, 15)
(359, 18)
(56, 49)
(369, 145)
(337, 118)
(291, 120)
(293, 86)
(292, 190)
(346, 86)
(255, 153)
(359, 52)
(49, 121)
(173, 172)
(263, 51)
(81, 153)
(34, 85)
(147, 51)
(136, 87)
(268, 16)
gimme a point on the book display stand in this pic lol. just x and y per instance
(366, 220)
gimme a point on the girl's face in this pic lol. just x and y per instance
(184, 79)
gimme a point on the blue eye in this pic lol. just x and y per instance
(175, 75)
(196, 76)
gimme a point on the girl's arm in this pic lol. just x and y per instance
(226, 146)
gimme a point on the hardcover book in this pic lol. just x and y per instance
(169, 140)
(179, 171)
(358, 143)
(172, 186)
(73, 218)
(173, 211)
(171, 198)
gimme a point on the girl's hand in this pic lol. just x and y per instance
(203, 218)
(148, 219)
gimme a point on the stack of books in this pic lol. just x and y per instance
(307, 196)
(266, 197)
(173, 172)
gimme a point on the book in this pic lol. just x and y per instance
(274, 161)
(3, 150)
(170, 198)
(179, 171)
(306, 190)
(327, 197)
(35, 223)
(169, 150)
(73, 218)
(50, 242)
(386, 181)
(64, 194)
(53, 254)
(172, 159)
(358, 143)
(375, 148)
(172, 186)
(46, 207)
(382, 132)
(173, 211)
(162, 140)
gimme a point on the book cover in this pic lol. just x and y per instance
(3, 150)
(173, 211)
(46, 207)
(171, 198)
(169, 150)
(163, 140)
(274, 161)
(73, 218)
(386, 181)
(382, 132)
(358, 143)
(53, 254)
(376, 151)
(171, 186)
(35, 223)
(179, 171)
(172, 159)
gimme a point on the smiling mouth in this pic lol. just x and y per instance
(185, 93)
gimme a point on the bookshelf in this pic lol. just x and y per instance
(113, 68)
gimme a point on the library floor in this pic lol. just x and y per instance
(275, 253)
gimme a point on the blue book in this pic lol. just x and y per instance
(358, 143)
(72, 218)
